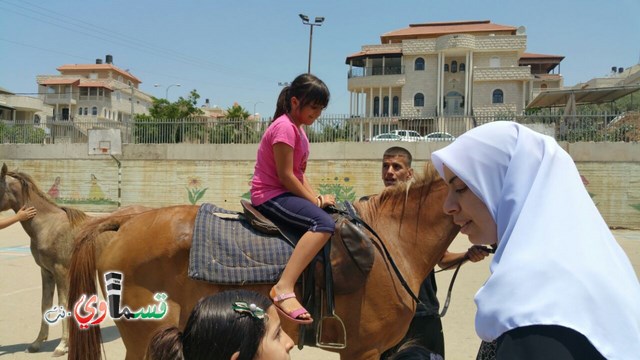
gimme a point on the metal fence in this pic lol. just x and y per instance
(329, 128)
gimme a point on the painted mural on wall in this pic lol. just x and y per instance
(94, 195)
(195, 191)
(339, 186)
(336, 186)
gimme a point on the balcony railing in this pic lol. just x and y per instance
(376, 70)
(340, 128)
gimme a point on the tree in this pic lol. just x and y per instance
(165, 122)
(236, 112)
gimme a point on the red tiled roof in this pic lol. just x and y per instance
(540, 56)
(58, 81)
(443, 28)
(370, 52)
(97, 67)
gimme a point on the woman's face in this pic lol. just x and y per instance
(469, 212)
(276, 344)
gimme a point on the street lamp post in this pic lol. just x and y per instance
(317, 22)
(254, 107)
(166, 91)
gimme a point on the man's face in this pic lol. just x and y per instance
(395, 169)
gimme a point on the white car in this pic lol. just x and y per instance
(386, 137)
(408, 135)
(439, 136)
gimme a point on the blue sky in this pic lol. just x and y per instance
(237, 51)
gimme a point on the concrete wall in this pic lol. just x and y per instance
(161, 175)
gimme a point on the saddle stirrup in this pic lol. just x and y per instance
(327, 317)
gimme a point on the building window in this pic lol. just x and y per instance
(494, 62)
(79, 111)
(396, 106)
(94, 111)
(543, 86)
(419, 65)
(86, 111)
(418, 100)
(376, 106)
(497, 97)
(36, 119)
(454, 66)
(385, 106)
(462, 67)
(446, 67)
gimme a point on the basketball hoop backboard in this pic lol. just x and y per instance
(105, 142)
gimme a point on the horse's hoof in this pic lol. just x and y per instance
(33, 348)
(59, 352)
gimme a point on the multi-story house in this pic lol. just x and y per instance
(23, 109)
(445, 70)
(93, 92)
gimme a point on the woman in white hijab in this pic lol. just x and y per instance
(560, 285)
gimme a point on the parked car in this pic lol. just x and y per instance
(439, 136)
(386, 137)
(408, 135)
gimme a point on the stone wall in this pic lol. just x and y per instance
(162, 175)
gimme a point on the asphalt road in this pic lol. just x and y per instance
(20, 302)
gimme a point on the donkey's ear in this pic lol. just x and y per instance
(4, 171)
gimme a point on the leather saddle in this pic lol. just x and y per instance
(351, 253)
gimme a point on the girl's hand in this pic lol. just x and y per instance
(326, 200)
(26, 213)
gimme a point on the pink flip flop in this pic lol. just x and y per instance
(293, 315)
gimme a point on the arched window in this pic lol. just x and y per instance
(376, 106)
(419, 64)
(418, 100)
(446, 67)
(454, 66)
(86, 111)
(385, 106)
(462, 67)
(36, 119)
(79, 111)
(94, 110)
(543, 86)
(497, 97)
(395, 109)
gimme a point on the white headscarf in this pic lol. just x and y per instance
(556, 263)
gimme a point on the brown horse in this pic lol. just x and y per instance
(51, 231)
(152, 251)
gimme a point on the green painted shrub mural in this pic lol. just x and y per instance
(195, 191)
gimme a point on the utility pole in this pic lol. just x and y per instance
(131, 117)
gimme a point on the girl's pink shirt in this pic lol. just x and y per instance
(265, 184)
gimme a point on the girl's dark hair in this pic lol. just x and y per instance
(308, 89)
(214, 330)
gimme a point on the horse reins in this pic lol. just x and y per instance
(458, 264)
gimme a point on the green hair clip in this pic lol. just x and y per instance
(242, 307)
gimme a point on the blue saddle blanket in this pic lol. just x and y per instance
(226, 250)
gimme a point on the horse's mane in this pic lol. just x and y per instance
(425, 179)
(28, 185)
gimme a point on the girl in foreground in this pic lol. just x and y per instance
(231, 325)
(560, 285)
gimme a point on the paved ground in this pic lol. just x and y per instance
(20, 302)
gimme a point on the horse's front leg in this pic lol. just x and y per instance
(48, 286)
(62, 282)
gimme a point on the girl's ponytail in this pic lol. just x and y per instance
(283, 104)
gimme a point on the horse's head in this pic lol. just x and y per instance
(410, 216)
(5, 203)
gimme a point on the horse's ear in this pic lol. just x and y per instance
(4, 171)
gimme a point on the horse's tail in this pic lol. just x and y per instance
(86, 344)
